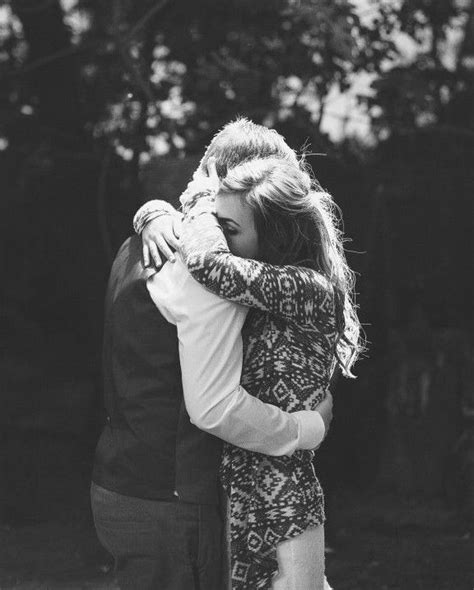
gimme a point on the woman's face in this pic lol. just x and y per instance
(237, 221)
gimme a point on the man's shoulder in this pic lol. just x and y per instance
(131, 247)
(128, 260)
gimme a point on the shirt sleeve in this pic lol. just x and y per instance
(294, 292)
(210, 349)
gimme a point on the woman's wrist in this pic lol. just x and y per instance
(149, 211)
(199, 203)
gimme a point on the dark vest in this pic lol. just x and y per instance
(148, 448)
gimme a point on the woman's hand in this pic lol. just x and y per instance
(160, 238)
(204, 179)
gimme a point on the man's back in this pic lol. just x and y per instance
(148, 448)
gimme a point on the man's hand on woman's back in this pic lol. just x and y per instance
(325, 409)
(313, 425)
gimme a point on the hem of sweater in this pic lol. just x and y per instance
(264, 568)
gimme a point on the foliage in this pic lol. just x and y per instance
(155, 77)
(91, 90)
(433, 85)
(159, 78)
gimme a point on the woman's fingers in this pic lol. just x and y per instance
(213, 179)
(212, 170)
(154, 254)
(159, 237)
(145, 255)
(177, 222)
(165, 249)
(172, 242)
(165, 239)
(171, 231)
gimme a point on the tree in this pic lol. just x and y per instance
(422, 114)
(434, 87)
(161, 77)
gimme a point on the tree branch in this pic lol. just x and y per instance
(128, 62)
(73, 50)
(28, 7)
(39, 63)
(144, 19)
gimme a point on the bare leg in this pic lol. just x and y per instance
(301, 562)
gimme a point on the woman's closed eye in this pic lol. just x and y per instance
(237, 222)
(229, 230)
(228, 227)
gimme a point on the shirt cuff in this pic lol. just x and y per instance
(311, 429)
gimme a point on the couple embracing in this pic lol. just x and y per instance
(216, 374)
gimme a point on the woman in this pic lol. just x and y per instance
(274, 247)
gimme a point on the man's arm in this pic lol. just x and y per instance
(210, 346)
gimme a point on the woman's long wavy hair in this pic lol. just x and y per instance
(298, 224)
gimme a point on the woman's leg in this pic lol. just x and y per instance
(301, 562)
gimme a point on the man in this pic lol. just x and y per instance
(155, 492)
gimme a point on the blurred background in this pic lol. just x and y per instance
(104, 105)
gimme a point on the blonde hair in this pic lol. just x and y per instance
(298, 224)
(243, 140)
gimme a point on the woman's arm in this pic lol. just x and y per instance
(151, 210)
(293, 292)
(158, 223)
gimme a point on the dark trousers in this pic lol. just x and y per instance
(160, 545)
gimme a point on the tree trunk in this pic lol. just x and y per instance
(54, 83)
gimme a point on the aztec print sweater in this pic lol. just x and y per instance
(289, 353)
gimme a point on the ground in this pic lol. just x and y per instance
(382, 542)
(385, 542)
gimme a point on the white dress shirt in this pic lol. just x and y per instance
(210, 351)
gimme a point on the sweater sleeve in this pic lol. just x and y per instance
(151, 210)
(296, 293)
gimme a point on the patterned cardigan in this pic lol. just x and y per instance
(289, 352)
